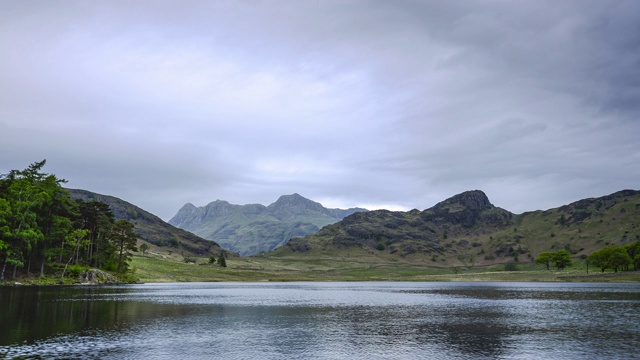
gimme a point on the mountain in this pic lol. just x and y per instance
(467, 230)
(254, 228)
(151, 228)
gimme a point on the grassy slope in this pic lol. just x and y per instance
(611, 220)
(615, 221)
(153, 268)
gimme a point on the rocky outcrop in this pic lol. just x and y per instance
(96, 277)
(405, 233)
(467, 209)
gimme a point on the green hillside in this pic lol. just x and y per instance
(468, 231)
(152, 229)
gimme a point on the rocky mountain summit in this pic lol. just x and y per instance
(254, 228)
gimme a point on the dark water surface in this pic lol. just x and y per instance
(323, 321)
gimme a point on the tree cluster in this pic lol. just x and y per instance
(221, 260)
(560, 259)
(616, 257)
(41, 225)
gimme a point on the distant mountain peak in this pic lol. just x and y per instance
(288, 206)
(293, 197)
(472, 200)
(253, 228)
(188, 206)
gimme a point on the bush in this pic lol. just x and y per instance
(110, 265)
(510, 267)
(76, 270)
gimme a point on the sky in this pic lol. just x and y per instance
(377, 104)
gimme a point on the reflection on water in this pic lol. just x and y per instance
(322, 321)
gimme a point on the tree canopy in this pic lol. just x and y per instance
(612, 257)
(41, 226)
(560, 259)
(545, 258)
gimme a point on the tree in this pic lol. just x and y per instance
(562, 220)
(562, 259)
(612, 257)
(75, 239)
(55, 222)
(222, 261)
(98, 218)
(634, 251)
(599, 258)
(144, 248)
(545, 258)
(24, 195)
(39, 223)
(618, 258)
(125, 241)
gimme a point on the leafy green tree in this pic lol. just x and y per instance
(636, 262)
(21, 190)
(633, 250)
(40, 223)
(618, 258)
(98, 218)
(562, 259)
(144, 248)
(599, 259)
(545, 258)
(55, 220)
(125, 241)
(612, 257)
(5, 230)
(74, 240)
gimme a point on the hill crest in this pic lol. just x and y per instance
(467, 230)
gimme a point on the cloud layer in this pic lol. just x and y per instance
(360, 103)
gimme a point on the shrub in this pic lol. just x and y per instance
(510, 267)
(76, 270)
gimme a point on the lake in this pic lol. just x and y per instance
(385, 320)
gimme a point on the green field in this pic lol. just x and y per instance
(262, 268)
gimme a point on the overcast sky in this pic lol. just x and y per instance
(379, 104)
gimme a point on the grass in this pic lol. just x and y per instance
(262, 268)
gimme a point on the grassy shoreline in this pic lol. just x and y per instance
(157, 269)
(260, 269)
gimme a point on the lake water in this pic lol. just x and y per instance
(323, 321)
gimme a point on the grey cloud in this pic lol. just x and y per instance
(359, 102)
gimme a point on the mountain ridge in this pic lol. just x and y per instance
(467, 230)
(253, 228)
